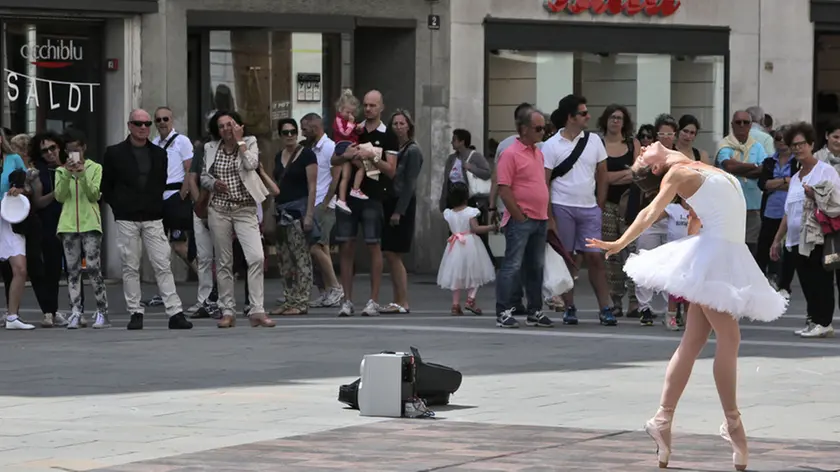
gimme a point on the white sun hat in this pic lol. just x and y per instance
(14, 209)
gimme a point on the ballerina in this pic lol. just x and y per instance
(712, 268)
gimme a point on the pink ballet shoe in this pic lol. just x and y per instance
(740, 454)
(659, 429)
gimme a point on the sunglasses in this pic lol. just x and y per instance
(667, 134)
(289, 132)
(582, 113)
(798, 144)
(140, 124)
(617, 118)
(49, 149)
(164, 119)
(741, 122)
(645, 136)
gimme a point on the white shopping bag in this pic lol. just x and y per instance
(556, 277)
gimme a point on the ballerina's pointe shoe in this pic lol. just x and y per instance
(733, 426)
(659, 429)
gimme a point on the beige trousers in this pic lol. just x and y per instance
(131, 237)
(243, 222)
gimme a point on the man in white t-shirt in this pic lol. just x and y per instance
(312, 127)
(575, 213)
(179, 150)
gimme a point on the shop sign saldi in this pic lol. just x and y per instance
(50, 55)
(613, 7)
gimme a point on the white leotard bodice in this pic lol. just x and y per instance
(720, 205)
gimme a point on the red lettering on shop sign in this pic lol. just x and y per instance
(614, 7)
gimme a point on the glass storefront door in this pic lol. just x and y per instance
(264, 76)
(52, 77)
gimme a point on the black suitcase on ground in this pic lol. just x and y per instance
(434, 383)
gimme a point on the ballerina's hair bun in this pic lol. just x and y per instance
(646, 180)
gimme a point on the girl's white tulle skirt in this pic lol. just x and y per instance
(709, 271)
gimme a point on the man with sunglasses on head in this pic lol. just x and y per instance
(134, 174)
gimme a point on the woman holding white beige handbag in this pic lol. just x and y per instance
(470, 167)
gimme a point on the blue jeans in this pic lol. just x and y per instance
(522, 265)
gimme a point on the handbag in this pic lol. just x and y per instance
(477, 185)
(200, 207)
(831, 252)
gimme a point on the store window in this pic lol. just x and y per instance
(52, 75)
(265, 76)
(647, 84)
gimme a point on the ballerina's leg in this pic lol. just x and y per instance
(728, 342)
(682, 362)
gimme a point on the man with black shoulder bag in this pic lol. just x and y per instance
(575, 168)
(177, 204)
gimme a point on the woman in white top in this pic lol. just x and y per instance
(817, 283)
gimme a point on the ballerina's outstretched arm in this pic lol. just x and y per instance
(648, 216)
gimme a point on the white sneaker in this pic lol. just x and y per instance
(101, 321)
(18, 324)
(59, 320)
(819, 331)
(74, 321)
(47, 321)
(808, 327)
(342, 205)
(371, 309)
(347, 309)
(193, 309)
(331, 204)
(358, 194)
(318, 302)
(333, 297)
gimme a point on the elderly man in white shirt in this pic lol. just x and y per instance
(177, 221)
(757, 131)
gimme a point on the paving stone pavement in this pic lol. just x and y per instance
(265, 399)
(428, 445)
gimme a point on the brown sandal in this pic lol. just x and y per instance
(260, 320)
(293, 312)
(456, 310)
(472, 308)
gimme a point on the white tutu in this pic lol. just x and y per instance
(465, 263)
(709, 271)
(11, 243)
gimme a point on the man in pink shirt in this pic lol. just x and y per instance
(520, 174)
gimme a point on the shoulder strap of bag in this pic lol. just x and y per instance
(171, 140)
(564, 167)
(469, 157)
(297, 153)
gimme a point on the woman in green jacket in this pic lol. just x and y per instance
(80, 227)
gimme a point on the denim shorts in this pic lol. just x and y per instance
(365, 213)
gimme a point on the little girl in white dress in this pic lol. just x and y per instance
(465, 264)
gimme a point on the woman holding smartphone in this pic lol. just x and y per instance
(80, 228)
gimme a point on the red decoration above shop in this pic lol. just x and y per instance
(614, 7)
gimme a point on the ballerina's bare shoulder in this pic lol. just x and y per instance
(688, 178)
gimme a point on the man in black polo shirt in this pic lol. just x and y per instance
(367, 213)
